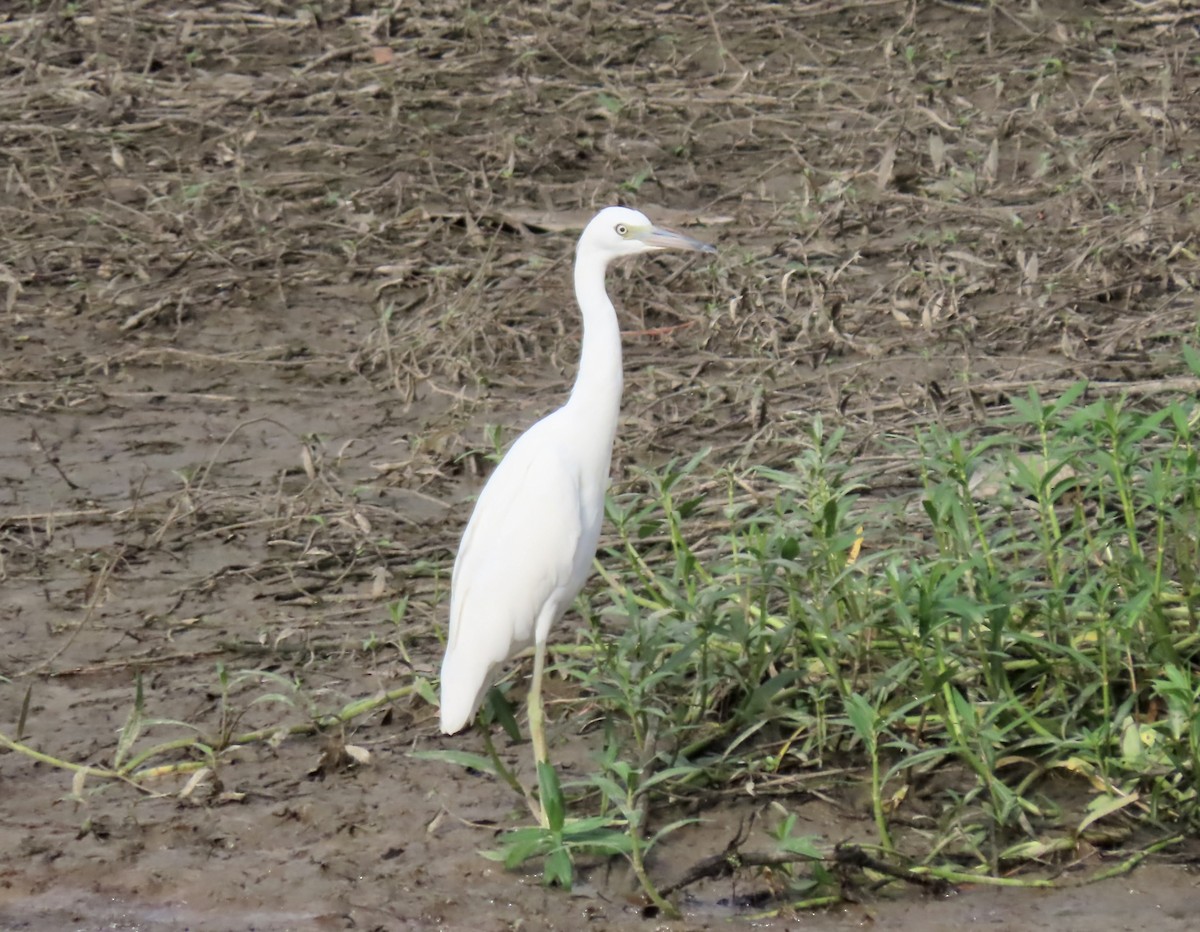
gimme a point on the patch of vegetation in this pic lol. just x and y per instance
(1004, 666)
(1008, 665)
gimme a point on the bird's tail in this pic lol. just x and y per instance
(464, 683)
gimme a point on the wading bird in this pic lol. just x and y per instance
(529, 544)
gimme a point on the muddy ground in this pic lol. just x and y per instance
(271, 273)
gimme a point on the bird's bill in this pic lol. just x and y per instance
(662, 238)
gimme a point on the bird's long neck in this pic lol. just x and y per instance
(596, 398)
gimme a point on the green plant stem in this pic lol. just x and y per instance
(130, 769)
(44, 758)
(1125, 866)
(953, 875)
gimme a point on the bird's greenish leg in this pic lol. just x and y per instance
(537, 731)
(505, 774)
(482, 722)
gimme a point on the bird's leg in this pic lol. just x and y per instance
(503, 772)
(537, 731)
(531, 800)
(483, 723)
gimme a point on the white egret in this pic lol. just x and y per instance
(529, 544)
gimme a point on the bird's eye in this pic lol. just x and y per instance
(622, 230)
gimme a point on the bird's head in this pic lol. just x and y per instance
(621, 231)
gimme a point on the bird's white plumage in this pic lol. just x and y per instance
(528, 547)
(524, 557)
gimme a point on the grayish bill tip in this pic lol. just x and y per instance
(670, 239)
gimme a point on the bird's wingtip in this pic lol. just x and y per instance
(458, 705)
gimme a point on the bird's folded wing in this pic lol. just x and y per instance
(519, 551)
